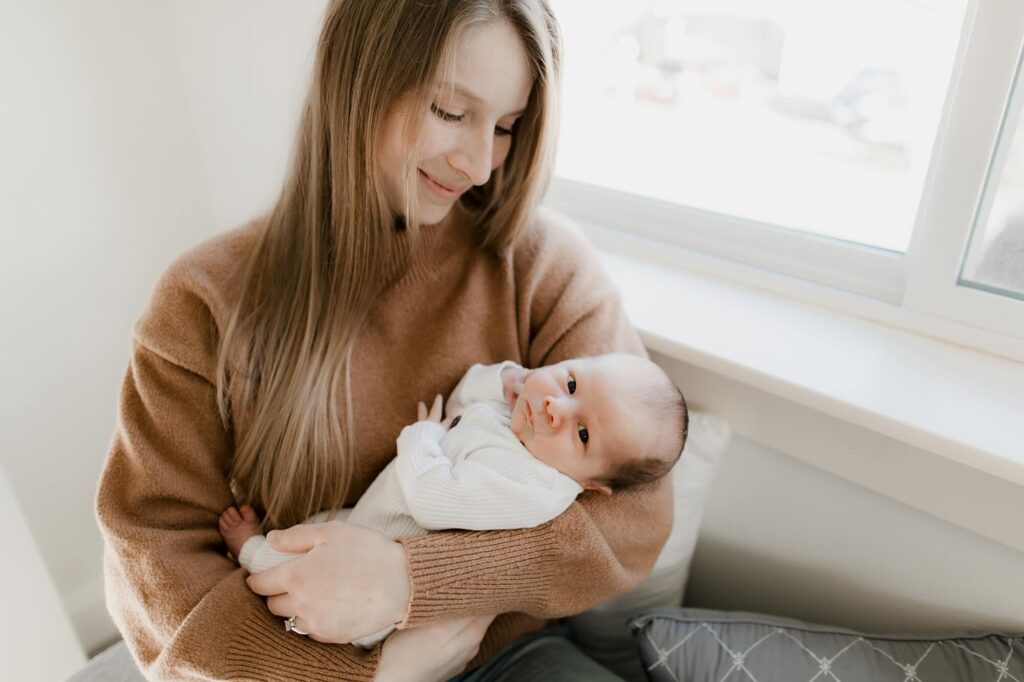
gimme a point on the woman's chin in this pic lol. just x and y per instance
(432, 214)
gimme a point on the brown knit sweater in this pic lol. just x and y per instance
(183, 606)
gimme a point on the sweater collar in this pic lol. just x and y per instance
(418, 258)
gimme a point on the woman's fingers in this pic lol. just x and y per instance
(300, 538)
(297, 539)
(421, 411)
(435, 651)
(283, 605)
(331, 582)
(270, 582)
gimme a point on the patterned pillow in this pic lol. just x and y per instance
(698, 645)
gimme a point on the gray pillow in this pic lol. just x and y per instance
(699, 645)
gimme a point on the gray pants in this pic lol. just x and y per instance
(547, 655)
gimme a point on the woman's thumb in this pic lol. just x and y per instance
(295, 539)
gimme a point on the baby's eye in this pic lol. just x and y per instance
(571, 385)
(583, 433)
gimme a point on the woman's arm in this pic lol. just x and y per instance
(182, 606)
(601, 546)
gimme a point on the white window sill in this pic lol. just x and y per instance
(961, 404)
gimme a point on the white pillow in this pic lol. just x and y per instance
(601, 632)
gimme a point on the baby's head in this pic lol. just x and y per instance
(608, 422)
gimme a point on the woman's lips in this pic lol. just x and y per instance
(439, 189)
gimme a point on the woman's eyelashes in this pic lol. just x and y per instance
(445, 115)
(457, 118)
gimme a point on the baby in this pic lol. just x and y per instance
(510, 460)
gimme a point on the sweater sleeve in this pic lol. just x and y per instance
(601, 546)
(183, 607)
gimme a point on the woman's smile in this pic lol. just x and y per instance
(442, 191)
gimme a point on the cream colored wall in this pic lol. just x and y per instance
(132, 130)
(37, 642)
(129, 132)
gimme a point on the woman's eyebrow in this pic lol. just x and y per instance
(470, 95)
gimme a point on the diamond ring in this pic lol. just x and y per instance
(289, 626)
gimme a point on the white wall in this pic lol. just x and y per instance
(37, 643)
(129, 131)
(132, 130)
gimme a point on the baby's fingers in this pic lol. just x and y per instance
(436, 408)
(421, 411)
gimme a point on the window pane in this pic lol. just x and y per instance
(815, 115)
(995, 257)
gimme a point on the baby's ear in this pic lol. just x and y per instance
(599, 487)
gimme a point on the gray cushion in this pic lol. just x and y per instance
(698, 645)
(113, 665)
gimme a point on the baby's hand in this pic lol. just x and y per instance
(512, 378)
(434, 414)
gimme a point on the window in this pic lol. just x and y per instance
(995, 254)
(826, 140)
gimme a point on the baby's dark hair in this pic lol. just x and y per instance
(666, 405)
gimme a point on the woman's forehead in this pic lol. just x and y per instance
(491, 68)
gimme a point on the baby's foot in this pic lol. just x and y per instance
(237, 526)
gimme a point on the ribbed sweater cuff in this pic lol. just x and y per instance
(462, 573)
(278, 659)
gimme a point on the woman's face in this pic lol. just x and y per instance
(468, 131)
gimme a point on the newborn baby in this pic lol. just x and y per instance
(510, 460)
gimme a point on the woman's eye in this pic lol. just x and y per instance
(584, 434)
(444, 115)
(498, 130)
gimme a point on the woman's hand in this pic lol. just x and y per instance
(351, 582)
(512, 379)
(433, 652)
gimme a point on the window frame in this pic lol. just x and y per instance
(976, 135)
(919, 290)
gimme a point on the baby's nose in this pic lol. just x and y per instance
(555, 411)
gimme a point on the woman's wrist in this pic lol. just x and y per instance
(401, 584)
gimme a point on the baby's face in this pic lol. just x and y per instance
(575, 416)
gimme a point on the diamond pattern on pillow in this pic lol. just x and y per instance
(698, 645)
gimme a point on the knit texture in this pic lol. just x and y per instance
(183, 605)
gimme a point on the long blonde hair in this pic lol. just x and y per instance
(331, 244)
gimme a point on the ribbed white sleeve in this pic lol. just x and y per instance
(498, 485)
(479, 383)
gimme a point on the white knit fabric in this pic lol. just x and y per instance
(475, 476)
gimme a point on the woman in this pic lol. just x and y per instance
(275, 365)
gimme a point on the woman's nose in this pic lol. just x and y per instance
(474, 155)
